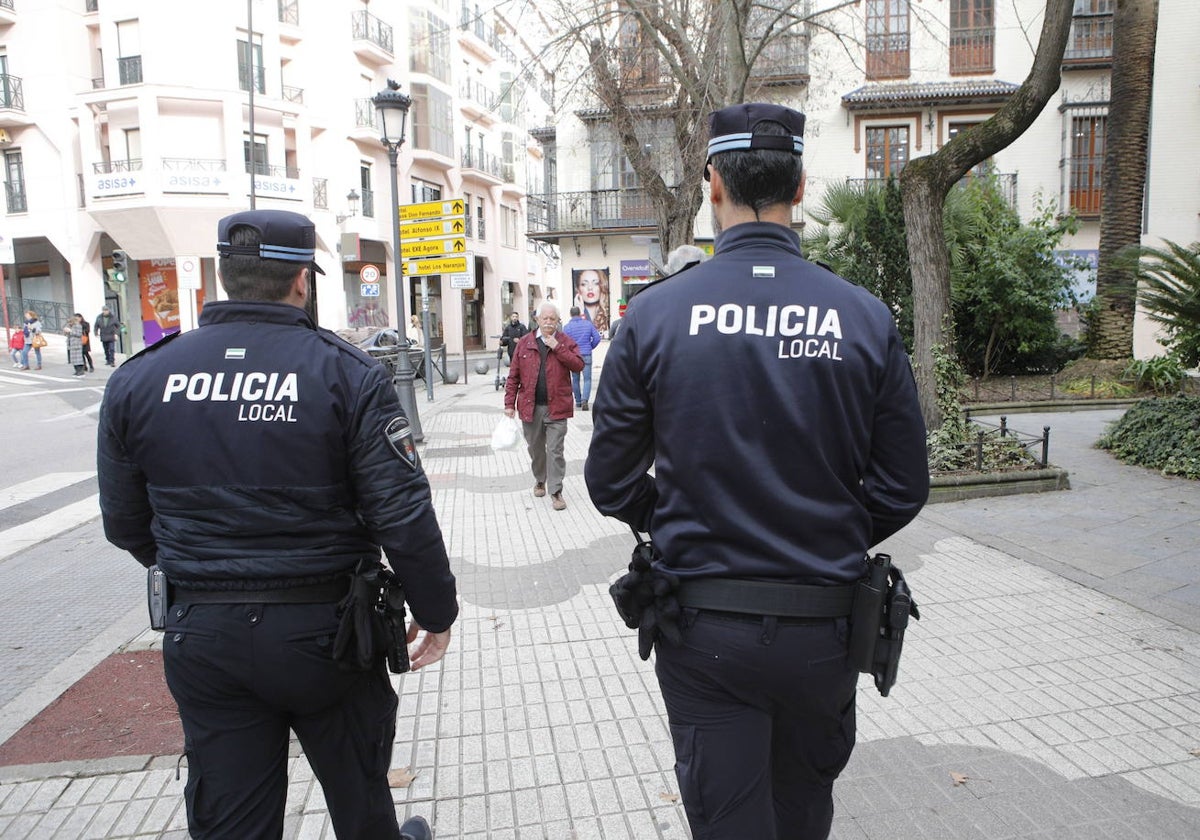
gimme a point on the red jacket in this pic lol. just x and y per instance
(523, 375)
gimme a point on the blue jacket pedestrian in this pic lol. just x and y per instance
(586, 335)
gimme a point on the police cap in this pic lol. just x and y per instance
(283, 235)
(733, 129)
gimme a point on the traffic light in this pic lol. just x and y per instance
(120, 266)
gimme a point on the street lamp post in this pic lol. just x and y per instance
(392, 107)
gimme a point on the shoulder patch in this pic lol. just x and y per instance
(399, 435)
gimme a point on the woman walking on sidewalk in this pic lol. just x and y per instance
(34, 340)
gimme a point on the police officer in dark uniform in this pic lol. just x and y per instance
(776, 403)
(260, 461)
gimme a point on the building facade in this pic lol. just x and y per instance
(134, 126)
(886, 81)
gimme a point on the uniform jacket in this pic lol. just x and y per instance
(252, 452)
(584, 333)
(107, 327)
(523, 375)
(776, 403)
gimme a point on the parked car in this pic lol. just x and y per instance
(384, 344)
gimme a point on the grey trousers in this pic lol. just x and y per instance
(545, 439)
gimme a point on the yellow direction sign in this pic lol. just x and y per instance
(446, 265)
(433, 247)
(432, 209)
(442, 227)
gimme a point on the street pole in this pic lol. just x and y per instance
(404, 370)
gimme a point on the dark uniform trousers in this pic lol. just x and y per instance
(761, 711)
(242, 675)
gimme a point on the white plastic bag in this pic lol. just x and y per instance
(507, 434)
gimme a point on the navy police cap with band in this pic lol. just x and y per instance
(283, 235)
(732, 129)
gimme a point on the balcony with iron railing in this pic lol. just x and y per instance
(293, 94)
(373, 37)
(368, 202)
(1091, 41)
(476, 92)
(887, 56)
(192, 164)
(91, 5)
(260, 77)
(262, 168)
(107, 167)
(972, 49)
(8, 12)
(12, 93)
(474, 159)
(475, 24)
(130, 69)
(289, 12)
(783, 61)
(320, 187)
(590, 210)
(15, 196)
(1004, 182)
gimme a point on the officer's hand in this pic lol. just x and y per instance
(430, 649)
(510, 412)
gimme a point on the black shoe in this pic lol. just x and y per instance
(415, 828)
(584, 407)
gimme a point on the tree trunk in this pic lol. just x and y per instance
(1135, 25)
(931, 308)
(925, 182)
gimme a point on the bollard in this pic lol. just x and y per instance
(979, 453)
(1003, 425)
(1045, 446)
(1093, 386)
(1052, 386)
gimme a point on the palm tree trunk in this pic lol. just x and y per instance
(1135, 25)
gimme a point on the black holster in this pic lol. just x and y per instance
(371, 624)
(645, 599)
(882, 605)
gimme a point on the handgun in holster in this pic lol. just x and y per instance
(882, 606)
(391, 608)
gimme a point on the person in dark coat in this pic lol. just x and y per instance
(261, 464)
(107, 328)
(87, 342)
(513, 332)
(763, 480)
(538, 390)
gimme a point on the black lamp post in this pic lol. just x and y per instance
(392, 107)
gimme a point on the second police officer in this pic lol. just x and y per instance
(259, 461)
(777, 406)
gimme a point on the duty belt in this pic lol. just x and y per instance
(320, 593)
(756, 597)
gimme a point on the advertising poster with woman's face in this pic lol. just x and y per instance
(591, 295)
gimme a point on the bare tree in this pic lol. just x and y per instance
(1135, 26)
(657, 68)
(926, 181)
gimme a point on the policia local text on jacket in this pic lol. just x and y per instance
(256, 459)
(777, 407)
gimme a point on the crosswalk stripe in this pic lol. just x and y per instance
(43, 485)
(28, 534)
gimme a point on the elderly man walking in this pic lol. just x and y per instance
(539, 392)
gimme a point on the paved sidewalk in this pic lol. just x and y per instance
(1052, 689)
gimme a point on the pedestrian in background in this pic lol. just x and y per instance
(538, 390)
(265, 500)
(588, 338)
(683, 258)
(16, 344)
(107, 330)
(34, 340)
(513, 332)
(74, 333)
(416, 335)
(87, 342)
(771, 479)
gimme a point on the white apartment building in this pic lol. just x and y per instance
(905, 80)
(134, 126)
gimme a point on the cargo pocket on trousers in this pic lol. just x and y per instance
(687, 771)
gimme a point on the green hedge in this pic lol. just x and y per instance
(1163, 434)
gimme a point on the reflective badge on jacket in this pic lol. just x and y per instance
(399, 437)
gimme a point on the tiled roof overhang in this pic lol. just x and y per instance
(928, 94)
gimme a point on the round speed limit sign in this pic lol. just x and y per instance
(369, 274)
